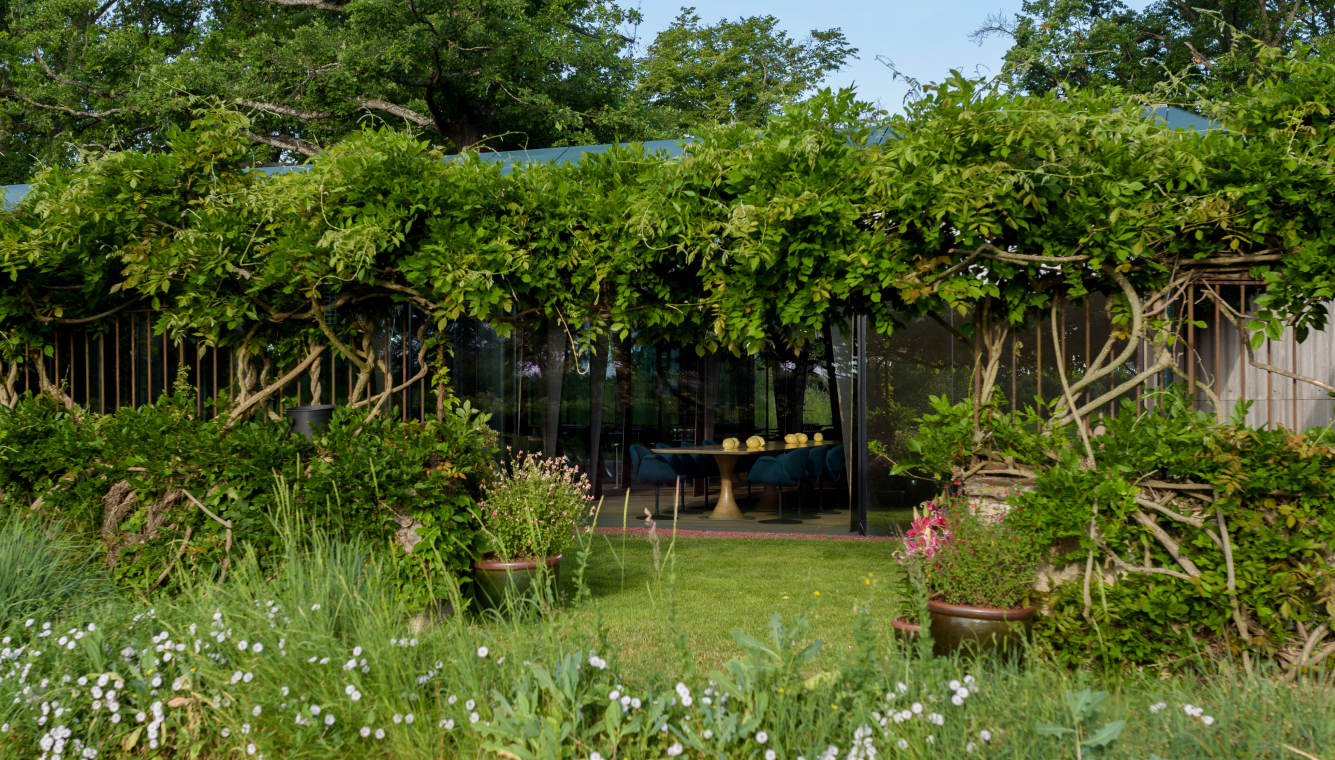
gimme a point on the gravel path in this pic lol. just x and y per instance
(683, 533)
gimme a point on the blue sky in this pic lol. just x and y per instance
(925, 38)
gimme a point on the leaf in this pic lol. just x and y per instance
(821, 680)
(1052, 729)
(131, 739)
(1106, 735)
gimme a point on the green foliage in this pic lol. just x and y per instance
(1084, 706)
(43, 573)
(1268, 489)
(984, 562)
(121, 481)
(1210, 47)
(532, 510)
(743, 71)
(86, 76)
(297, 655)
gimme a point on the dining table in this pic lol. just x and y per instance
(726, 508)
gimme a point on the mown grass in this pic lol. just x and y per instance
(722, 585)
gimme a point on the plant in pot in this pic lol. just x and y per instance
(979, 575)
(529, 514)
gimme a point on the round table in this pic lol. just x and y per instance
(727, 508)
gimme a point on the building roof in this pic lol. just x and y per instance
(1175, 118)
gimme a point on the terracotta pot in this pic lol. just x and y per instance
(494, 578)
(904, 630)
(967, 629)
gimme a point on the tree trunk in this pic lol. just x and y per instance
(552, 367)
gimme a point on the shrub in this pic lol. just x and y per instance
(132, 484)
(532, 510)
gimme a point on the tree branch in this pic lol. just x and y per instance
(397, 110)
(282, 110)
(283, 142)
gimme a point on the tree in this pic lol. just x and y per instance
(1211, 46)
(114, 74)
(744, 71)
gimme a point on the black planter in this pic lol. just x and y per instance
(304, 417)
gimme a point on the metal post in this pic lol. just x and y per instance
(860, 422)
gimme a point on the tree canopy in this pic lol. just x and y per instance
(1210, 47)
(745, 70)
(96, 76)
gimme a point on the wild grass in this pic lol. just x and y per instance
(320, 660)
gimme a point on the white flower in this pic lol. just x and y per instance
(957, 700)
(315, 709)
(709, 733)
(329, 719)
(472, 717)
(985, 735)
(257, 647)
(141, 717)
(250, 749)
(903, 743)
(408, 719)
(482, 651)
(452, 699)
(447, 724)
(366, 731)
(770, 754)
(595, 756)
(1157, 706)
(902, 688)
(954, 685)
(315, 607)
(380, 733)
(614, 696)
(931, 739)
(1208, 720)
(962, 693)
(674, 749)
(936, 718)
(242, 644)
(917, 708)
(970, 747)
(468, 705)
(356, 651)
(761, 737)
(256, 710)
(398, 718)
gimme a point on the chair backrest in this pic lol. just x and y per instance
(816, 463)
(834, 460)
(636, 456)
(794, 463)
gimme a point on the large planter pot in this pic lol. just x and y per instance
(494, 578)
(904, 630)
(971, 630)
(303, 417)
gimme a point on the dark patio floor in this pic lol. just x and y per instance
(692, 514)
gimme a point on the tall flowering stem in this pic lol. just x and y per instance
(532, 510)
(927, 536)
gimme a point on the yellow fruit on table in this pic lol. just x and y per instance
(801, 437)
(730, 443)
(790, 438)
(755, 442)
(818, 437)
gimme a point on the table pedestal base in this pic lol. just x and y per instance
(727, 508)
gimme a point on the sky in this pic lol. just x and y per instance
(924, 38)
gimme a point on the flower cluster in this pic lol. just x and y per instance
(928, 534)
(532, 510)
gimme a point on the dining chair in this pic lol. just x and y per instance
(783, 471)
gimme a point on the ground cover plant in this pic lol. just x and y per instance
(319, 660)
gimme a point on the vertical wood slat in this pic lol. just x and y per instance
(1242, 353)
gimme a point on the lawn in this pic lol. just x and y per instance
(721, 585)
